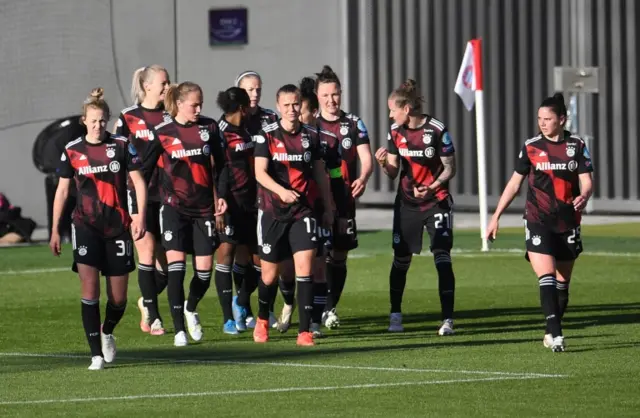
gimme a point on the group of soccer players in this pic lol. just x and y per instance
(274, 197)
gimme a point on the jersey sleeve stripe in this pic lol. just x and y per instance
(72, 143)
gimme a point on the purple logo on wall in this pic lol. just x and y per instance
(228, 26)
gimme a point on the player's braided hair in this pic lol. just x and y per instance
(179, 92)
(327, 76)
(308, 94)
(232, 99)
(95, 100)
(408, 94)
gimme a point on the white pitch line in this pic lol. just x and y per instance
(257, 391)
(34, 271)
(290, 364)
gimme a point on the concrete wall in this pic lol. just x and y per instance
(54, 51)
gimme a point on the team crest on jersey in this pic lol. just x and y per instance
(168, 236)
(344, 130)
(346, 143)
(266, 248)
(536, 240)
(430, 152)
(114, 166)
(206, 150)
(204, 134)
(305, 143)
(307, 156)
(426, 138)
(82, 251)
(571, 151)
(111, 153)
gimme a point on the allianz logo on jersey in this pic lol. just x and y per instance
(429, 152)
(283, 156)
(547, 166)
(113, 166)
(145, 133)
(182, 153)
(244, 146)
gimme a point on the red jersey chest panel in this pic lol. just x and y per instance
(420, 151)
(240, 162)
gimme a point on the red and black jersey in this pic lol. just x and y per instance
(330, 154)
(185, 155)
(137, 123)
(420, 151)
(351, 132)
(100, 172)
(241, 185)
(291, 158)
(553, 169)
(259, 120)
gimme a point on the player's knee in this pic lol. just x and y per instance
(225, 256)
(402, 262)
(339, 257)
(205, 275)
(441, 257)
(333, 261)
(118, 301)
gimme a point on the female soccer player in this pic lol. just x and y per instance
(289, 168)
(560, 184)
(257, 118)
(354, 145)
(422, 144)
(148, 90)
(239, 233)
(191, 155)
(331, 155)
(99, 162)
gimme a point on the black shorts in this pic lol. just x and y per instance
(112, 256)
(279, 240)
(347, 241)
(408, 228)
(563, 246)
(187, 234)
(152, 216)
(241, 227)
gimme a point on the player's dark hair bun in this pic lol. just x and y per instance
(408, 94)
(556, 104)
(307, 85)
(327, 75)
(232, 99)
(409, 85)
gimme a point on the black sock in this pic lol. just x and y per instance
(273, 294)
(336, 278)
(175, 293)
(113, 316)
(549, 302)
(305, 302)
(446, 283)
(91, 323)
(239, 272)
(161, 280)
(397, 282)
(563, 297)
(263, 299)
(319, 301)
(254, 278)
(199, 285)
(288, 290)
(224, 286)
(147, 283)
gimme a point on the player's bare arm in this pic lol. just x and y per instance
(62, 194)
(266, 181)
(448, 172)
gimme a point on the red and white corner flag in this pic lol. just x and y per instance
(469, 88)
(470, 74)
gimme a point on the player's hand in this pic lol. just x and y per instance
(220, 223)
(342, 226)
(327, 219)
(358, 187)
(137, 227)
(492, 229)
(54, 244)
(381, 156)
(221, 207)
(579, 203)
(420, 192)
(289, 196)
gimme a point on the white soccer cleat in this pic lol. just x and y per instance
(251, 322)
(108, 342)
(547, 341)
(285, 318)
(193, 324)
(395, 322)
(446, 328)
(180, 339)
(273, 321)
(558, 344)
(97, 363)
(330, 319)
(315, 330)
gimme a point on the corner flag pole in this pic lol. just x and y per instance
(480, 143)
